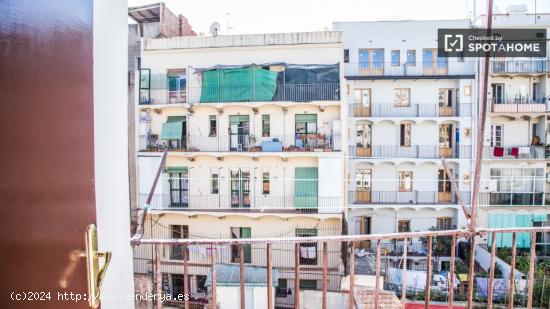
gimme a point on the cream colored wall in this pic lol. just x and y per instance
(282, 125)
(516, 85)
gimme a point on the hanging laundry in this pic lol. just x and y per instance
(498, 152)
(514, 152)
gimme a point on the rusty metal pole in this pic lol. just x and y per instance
(452, 272)
(242, 276)
(213, 265)
(531, 279)
(404, 275)
(269, 277)
(512, 282)
(297, 275)
(186, 274)
(471, 271)
(158, 276)
(325, 274)
(428, 275)
(492, 271)
(351, 304)
(377, 278)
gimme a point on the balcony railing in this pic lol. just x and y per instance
(428, 69)
(513, 66)
(247, 202)
(519, 105)
(414, 110)
(514, 152)
(406, 197)
(512, 199)
(233, 94)
(245, 143)
(413, 151)
(262, 261)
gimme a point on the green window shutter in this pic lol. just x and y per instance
(523, 240)
(305, 187)
(235, 119)
(172, 129)
(177, 169)
(540, 217)
(246, 232)
(504, 240)
(305, 117)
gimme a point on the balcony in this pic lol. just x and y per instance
(517, 66)
(512, 199)
(244, 143)
(248, 202)
(520, 105)
(405, 198)
(514, 153)
(414, 110)
(385, 70)
(234, 94)
(413, 152)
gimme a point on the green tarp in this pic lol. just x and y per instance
(305, 187)
(173, 128)
(504, 240)
(249, 84)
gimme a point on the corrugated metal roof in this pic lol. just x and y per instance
(229, 275)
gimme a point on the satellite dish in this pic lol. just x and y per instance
(215, 28)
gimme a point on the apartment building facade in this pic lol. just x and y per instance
(407, 109)
(515, 187)
(252, 126)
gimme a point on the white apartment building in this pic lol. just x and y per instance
(407, 109)
(516, 186)
(252, 125)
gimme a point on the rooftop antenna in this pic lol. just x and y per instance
(227, 24)
(215, 28)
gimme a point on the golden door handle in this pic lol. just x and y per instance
(95, 274)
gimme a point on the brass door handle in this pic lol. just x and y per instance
(95, 274)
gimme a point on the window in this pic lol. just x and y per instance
(363, 179)
(411, 57)
(444, 223)
(404, 226)
(178, 283)
(395, 56)
(213, 123)
(308, 251)
(215, 187)
(405, 181)
(405, 135)
(305, 130)
(177, 83)
(179, 188)
(237, 233)
(363, 135)
(178, 232)
(282, 288)
(496, 135)
(201, 284)
(362, 97)
(446, 96)
(446, 135)
(443, 183)
(401, 97)
(308, 284)
(516, 186)
(266, 126)
(265, 183)
(346, 55)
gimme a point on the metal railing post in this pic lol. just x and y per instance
(213, 266)
(186, 274)
(531, 278)
(492, 271)
(428, 274)
(269, 277)
(452, 272)
(377, 278)
(158, 277)
(351, 303)
(404, 275)
(242, 276)
(325, 274)
(512, 282)
(297, 275)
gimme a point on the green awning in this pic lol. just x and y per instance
(235, 119)
(177, 169)
(305, 187)
(306, 117)
(172, 128)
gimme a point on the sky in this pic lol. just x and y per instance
(269, 16)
